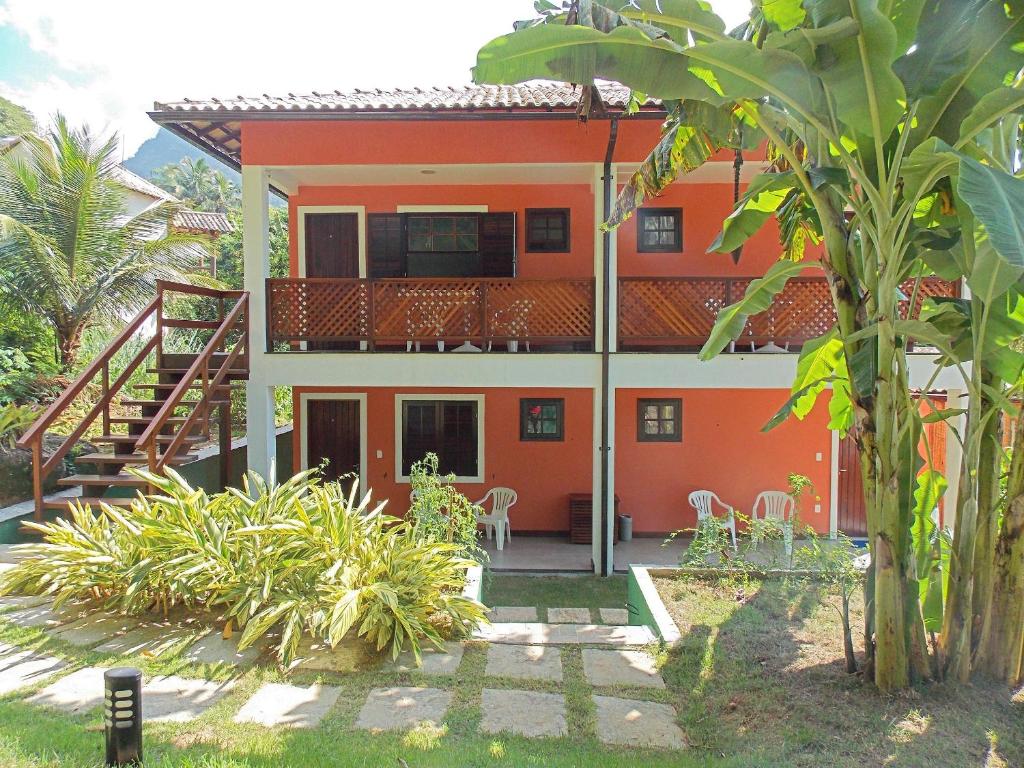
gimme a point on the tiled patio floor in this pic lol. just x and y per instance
(555, 553)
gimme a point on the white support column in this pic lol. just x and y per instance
(954, 456)
(833, 493)
(595, 491)
(610, 499)
(259, 417)
(613, 277)
(597, 187)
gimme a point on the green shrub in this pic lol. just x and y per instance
(439, 512)
(298, 556)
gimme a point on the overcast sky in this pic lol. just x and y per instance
(105, 62)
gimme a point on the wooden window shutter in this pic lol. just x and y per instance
(498, 244)
(386, 244)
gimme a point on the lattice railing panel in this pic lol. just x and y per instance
(673, 310)
(427, 309)
(318, 309)
(540, 310)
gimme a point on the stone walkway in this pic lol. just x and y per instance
(520, 650)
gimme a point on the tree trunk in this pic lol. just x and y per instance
(989, 469)
(1001, 651)
(69, 342)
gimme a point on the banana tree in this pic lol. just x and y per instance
(853, 98)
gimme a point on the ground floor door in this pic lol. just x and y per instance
(332, 435)
(852, 518)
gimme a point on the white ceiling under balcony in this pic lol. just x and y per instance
(289, 178)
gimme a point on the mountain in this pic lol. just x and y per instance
(165, 148)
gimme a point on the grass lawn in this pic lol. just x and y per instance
(757, 681)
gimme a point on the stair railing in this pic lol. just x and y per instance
(236, 319)
(153, 313)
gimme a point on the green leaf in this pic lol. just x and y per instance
(758, 297)
(990, 108)
(679, 18)
(857, 71)
(577, 54)
(761, 201)
(783, 14)
(991, 275)
(944, 414)
(929, 162)
(941, 45)
(997, 200)
(787, 408)
(820, 359)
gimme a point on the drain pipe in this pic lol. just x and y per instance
(606, 288)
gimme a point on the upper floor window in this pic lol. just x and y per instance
(547, 230)
(659, 230)
(444, 234)
(659, 420)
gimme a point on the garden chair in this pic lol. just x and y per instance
(704, 501)
(501, 500)
(780, 506)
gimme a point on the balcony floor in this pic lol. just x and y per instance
(555, 553)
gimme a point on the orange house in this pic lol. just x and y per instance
(451, 290)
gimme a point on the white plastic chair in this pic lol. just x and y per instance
(780, 506)
(704, 501)
(501, 500)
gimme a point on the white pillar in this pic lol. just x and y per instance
(833, 487)
(595, 491)
(613, 277)
(597, 186)
(259, 417)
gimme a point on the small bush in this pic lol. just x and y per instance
(439, 512)
(300, 557)
(14, 420)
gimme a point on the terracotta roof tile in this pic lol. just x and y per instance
(203, 221)
(540, 96)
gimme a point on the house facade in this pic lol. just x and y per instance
(452, 290)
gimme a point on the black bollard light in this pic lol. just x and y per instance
(123, 716)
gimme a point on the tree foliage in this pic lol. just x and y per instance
(893, 134)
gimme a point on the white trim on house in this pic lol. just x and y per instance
(444, 208)
(360, 397)
(477, 398)
(833, 494)
(302, 210)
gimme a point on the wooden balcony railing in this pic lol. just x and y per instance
(679, 312)
(394, 313)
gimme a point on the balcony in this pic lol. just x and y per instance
(403, 314)
(676, 314)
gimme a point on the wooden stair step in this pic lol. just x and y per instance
(183, 371)
(60, 502)
(146, 420)
(111, 481)
(158, 403)
(130, 458)
(161, 439)
(169, 386)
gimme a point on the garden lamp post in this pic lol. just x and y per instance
(123, 716)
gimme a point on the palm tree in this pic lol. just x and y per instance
(69, 250)
(195, 182)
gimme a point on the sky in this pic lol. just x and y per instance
(105, 62)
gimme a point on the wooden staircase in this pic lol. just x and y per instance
(170, 418)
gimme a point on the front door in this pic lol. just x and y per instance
(332, 250)
(853, 520)
(332, 436)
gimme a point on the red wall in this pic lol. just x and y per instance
(542, 473)
(722, 450)
(378, 199)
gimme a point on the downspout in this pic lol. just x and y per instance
(606, 289)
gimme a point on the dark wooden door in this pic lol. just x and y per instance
(332, 250)
(852, 516)
(332, 434)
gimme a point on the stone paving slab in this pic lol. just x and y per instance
(288, 705)
(513, 613)
(23, 601)
(212, 648)
(43, 616)
(564, 634)
(432, 661)
(632, 723)
(75, 694)
(569, 615)
(146, 639)
(93, 629)
(392, 709)
(620, 667)
(614, 616)
(22, 668)
(525, 662)
(178, 699)
(526, 713)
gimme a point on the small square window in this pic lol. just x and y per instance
(659, 230)
(659, 421)
(547, 230)
(542, 419)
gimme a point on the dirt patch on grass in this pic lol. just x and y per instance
(759, 674)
